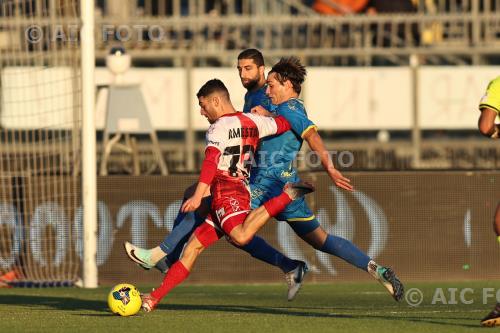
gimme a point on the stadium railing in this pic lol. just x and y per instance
(444, 34)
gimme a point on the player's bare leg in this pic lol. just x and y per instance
(175, 275)
(257, 218)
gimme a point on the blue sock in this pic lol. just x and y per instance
(184, 226)
(173, 243)
(346, 250)
(258, 248)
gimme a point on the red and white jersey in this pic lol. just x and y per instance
(236, 136)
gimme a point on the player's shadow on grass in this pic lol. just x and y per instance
(309, 313)
(251, 309)
(55, 302)
(74, 304)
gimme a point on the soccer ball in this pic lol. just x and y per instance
(124, 299)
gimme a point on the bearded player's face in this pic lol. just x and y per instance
(249, 73)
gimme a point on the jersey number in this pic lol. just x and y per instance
(236, 152)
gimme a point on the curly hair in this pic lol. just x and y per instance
(290, 69)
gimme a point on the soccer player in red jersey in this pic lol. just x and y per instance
(231, 142)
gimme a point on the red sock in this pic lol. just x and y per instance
(275, 205)
(175, 275)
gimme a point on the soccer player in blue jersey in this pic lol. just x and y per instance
(274, 168)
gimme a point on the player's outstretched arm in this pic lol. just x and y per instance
(316, 144)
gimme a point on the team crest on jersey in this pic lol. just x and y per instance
(235, 204)
(294, 104)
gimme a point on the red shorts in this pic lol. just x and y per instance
(230, 207)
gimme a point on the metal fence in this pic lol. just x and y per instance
(168, 32)
(443, 32)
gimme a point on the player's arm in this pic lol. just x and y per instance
(304, 127)
(208, 170)
(260, 110)
(269, 125)
(486, 123)
(490, 109)
(316, 144)
(282, 125)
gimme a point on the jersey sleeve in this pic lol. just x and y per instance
(491, 98)
(266, 125)
(209, 165)
(296, 115)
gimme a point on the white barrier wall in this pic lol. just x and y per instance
(449, 96)
(164, 92)
(336, 98)
(359, 98)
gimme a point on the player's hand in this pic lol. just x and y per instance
(191, 204)
(260, 110)
(340, 180)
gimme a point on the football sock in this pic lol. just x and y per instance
(346, 250)
(372, 268)
(175, 275)
(275, 205)
(260, 249)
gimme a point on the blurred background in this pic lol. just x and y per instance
(394, 87)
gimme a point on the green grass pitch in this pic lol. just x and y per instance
(334, 307)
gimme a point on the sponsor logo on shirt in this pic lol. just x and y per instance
(256, 193)
(210, 142)
(287, 174)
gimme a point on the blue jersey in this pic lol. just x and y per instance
(258, 97)
(281, 150)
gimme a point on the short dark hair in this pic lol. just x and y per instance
(290, 69)
(253, 54)
(212, 86)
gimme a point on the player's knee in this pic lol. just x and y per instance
(240, 238)
(192, 250)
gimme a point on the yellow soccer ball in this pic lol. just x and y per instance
(124, 299)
